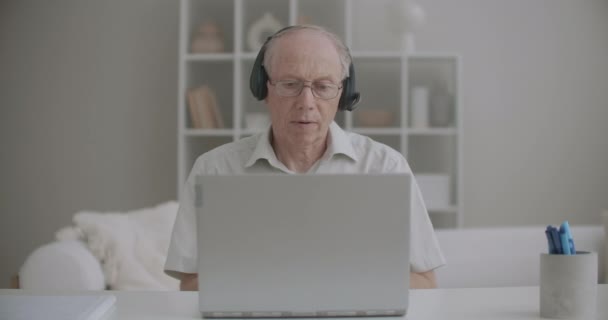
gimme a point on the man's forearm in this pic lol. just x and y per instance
(423, 280)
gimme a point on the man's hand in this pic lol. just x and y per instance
(423, 280)
(188, 282)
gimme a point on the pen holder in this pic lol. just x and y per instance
(568, 285)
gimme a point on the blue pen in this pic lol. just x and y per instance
(556, 241)
(563, 236)
(566, 227)
(550, 240)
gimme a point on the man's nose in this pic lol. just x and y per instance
(306, 97)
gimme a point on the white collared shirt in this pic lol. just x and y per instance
(346, 153)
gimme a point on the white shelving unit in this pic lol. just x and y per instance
(385, 77)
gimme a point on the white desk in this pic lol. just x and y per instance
(519, 303)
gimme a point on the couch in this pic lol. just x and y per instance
(506, 256)
(476, 257)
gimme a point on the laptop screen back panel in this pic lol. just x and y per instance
(292, 244)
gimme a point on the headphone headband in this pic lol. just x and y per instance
(259, 77)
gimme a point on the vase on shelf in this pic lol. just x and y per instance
(208, 39)
(419, 107)
(440, 113)
(261, 29)
(407, 17)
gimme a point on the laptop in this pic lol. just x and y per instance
(286, 246)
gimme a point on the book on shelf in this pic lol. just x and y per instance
(204, 109)
(59, 307)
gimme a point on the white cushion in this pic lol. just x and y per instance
(131, 246)
(61, 265)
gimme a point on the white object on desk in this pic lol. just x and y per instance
(568, 285)
(47, 307)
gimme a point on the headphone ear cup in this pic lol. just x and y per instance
(259, 77)
(344, 96)
(349, 97)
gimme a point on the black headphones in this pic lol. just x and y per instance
(259, 77)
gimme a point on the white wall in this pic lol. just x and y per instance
(87, 109)
(535, 106)
(88, 121)
(535, 102)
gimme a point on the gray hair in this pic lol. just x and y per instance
(341, 48)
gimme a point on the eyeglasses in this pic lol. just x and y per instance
(321, 89)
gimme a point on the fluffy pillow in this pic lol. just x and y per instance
(131, 246)
(61, 265)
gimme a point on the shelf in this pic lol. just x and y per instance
(248, 55)
(414, 131)
(209, 57)
(209, 132)
(378, 131)
(386, 76)
(446, 210)
(376, 54)
(431, 55)
(249, 132)
(432, 131)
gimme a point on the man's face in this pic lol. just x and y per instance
(305, 56)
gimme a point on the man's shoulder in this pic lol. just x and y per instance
(366, 146)
(376, 157)
(236, 152)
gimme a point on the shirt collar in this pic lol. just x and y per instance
(262, 150)
(338, 143)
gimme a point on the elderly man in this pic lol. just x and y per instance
(304, 75)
